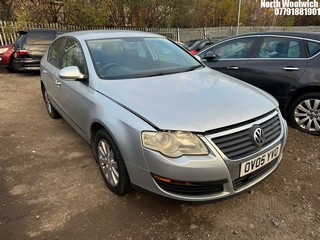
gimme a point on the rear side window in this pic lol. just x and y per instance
(313, 48)
(42, 38)
(275, 47)
(54, 52)
(20, 40)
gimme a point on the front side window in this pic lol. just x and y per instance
(73, 55)
(238, 48)
(54, 52)
(275, 47)
(120, 58)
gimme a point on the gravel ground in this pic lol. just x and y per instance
(51, 188)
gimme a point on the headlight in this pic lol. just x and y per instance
(3, 50)
(174, 144)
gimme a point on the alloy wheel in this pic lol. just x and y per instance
(107, 163)
(307, 115)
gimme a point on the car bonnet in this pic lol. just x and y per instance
(196, 101)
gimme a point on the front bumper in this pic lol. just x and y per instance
(205, 178)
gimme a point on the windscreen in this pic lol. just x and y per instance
(122, 58)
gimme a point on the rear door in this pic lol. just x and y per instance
(50, 70)
(276, 64)
(231, 55)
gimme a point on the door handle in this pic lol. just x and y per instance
(44, 72)
(58, 83)
(232, 68)
(290, 68)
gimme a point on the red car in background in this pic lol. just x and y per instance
(5, 56)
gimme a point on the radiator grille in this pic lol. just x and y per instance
(240, 144)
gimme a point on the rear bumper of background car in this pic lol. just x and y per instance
(26, 64)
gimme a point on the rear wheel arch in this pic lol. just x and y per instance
(297, 94)
(53, 113)
(42, 86)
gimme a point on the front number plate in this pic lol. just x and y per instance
(256, 163)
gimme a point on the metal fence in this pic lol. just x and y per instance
(9, 30)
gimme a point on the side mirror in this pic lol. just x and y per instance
(70, 73)
(211, 56)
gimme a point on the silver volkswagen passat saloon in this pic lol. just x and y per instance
(158, 119)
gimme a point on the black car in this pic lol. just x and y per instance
(285, 64)
(30, 48)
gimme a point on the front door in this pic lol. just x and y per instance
(73, 95)
(230, 55)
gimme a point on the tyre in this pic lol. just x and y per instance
(304, 113)
(51, 110)
(10, 69)
(111, 164)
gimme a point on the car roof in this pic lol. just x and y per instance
(311, 35)
(100, 34)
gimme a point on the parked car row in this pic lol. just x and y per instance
(25, 54)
